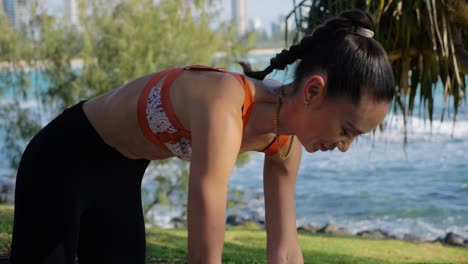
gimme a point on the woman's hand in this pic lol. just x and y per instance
(279, 181)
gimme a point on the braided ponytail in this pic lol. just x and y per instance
(343, 47)
(279, 62)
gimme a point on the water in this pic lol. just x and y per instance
(420, 188)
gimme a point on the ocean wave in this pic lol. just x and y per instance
(420, 129)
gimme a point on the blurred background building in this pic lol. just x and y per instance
(71, 13)
(16, 11)
(240, 17)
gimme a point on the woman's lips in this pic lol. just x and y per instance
(323, 148)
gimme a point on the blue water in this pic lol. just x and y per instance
(420, 188)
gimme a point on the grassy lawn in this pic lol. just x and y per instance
(246, 244)
(6, 226)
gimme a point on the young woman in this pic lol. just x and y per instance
(78, 184)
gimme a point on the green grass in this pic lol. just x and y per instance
(246, 244)
(6, 227)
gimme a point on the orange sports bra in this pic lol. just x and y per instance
(159, 123)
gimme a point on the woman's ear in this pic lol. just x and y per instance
(314, 90)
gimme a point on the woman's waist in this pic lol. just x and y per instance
(146, 150)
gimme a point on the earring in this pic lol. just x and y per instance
(306, 103)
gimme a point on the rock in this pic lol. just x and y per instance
(374, 234)
(235, 220)
(454, 239)
(412, 238)
(334, 230)
(308, 228)
(178, 222)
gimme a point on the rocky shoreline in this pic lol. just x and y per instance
(453, 239)
(333, 230)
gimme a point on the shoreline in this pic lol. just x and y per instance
(332, 230)
(450, 238)
(78, 62)
(233, 220)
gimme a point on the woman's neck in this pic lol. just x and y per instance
(266, 100)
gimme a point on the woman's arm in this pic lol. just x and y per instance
(216, 129)
(279, 180)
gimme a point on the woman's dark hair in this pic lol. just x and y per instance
(353, 62)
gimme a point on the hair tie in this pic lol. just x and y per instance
(367, 33)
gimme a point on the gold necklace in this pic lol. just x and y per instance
(278, 106)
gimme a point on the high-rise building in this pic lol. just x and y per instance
(17, 12)
(10, 9)
(71, 12)
(239, 16)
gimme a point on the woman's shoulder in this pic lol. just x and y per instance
(217, 87)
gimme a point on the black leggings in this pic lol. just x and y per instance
(77, 196)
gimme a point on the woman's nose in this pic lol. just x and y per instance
(346, 144)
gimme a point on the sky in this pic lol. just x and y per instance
(266, 10)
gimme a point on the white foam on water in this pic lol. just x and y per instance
(394, 226)
(421, 129)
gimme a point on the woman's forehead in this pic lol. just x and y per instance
(369, 114)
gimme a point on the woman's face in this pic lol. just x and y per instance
(334, 123)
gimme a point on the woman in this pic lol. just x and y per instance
(78, 184)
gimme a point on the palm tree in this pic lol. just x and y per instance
(426, 41)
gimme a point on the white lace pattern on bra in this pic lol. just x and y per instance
(159, 123)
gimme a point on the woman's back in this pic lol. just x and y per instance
(114, 114)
